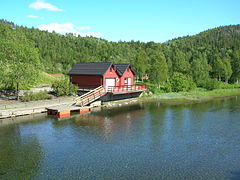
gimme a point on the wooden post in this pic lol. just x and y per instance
(63, 114)
(84, 110)
(51, 112)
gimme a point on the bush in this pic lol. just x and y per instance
(180, 82)
(211, 84)
(64, 87)
(224, 85)
(31, 96)
(166, 87)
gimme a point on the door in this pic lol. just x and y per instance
(110, 82)
(129, 81)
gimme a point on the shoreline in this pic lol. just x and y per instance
(179, 97)
(196, 96)
(11, 110)
(165, 98)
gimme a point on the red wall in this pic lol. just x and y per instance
(127, 74)
(111, 73)
(86, 81)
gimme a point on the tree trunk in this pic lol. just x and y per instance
(17, 91)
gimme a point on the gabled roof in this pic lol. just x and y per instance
(121, 68)
(97, 68)
(90, 68)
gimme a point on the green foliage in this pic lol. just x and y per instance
(31, 96)
(196, 95)
(3, 74)
(227, 70)
(159, 70)
(180, 82)
(200, 70)
(18, 75)
(19, 57)
(166, 87)
(180, 63)
(211, 54)
(140, 64)
(211, 84)
(64, 87)
(46, 79)
(236, 67)
(150, 86)
(224, 85)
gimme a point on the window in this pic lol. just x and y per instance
(125, 80)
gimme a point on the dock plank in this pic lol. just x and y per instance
(69, 108)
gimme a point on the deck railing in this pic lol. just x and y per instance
(90, 96)
(126, 88)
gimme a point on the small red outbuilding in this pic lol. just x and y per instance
(93, 74)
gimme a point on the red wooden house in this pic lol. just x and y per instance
(113, 77)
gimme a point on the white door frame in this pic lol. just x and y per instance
(129, 81)
(107, 85)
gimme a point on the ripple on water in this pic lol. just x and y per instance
(142, 141)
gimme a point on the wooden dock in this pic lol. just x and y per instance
(80, 104)
(65, 111)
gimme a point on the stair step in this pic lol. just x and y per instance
(90, 96)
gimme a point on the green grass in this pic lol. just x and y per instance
(197, 95)
(35, 96)
(43, 80)
(46, 79)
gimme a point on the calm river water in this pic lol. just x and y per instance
(148, 140)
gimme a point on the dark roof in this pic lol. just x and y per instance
(121, 68)
(90, 68)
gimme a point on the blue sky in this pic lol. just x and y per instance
(126, 20)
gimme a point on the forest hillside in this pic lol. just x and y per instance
(212, 54)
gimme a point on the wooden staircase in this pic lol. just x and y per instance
(89, 97)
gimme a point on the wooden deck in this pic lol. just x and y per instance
(61, 108)
(81, 102)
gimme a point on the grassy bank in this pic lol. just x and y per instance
(46, 79)
(199, 95)
(195, 96)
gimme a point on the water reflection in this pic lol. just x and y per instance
(111, 121)
(33, 119)
(20, 156)
(149, 140)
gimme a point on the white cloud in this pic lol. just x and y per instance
(83, 28)
(34, 17)
(68, 27)
(40, 4)
(94, 34)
